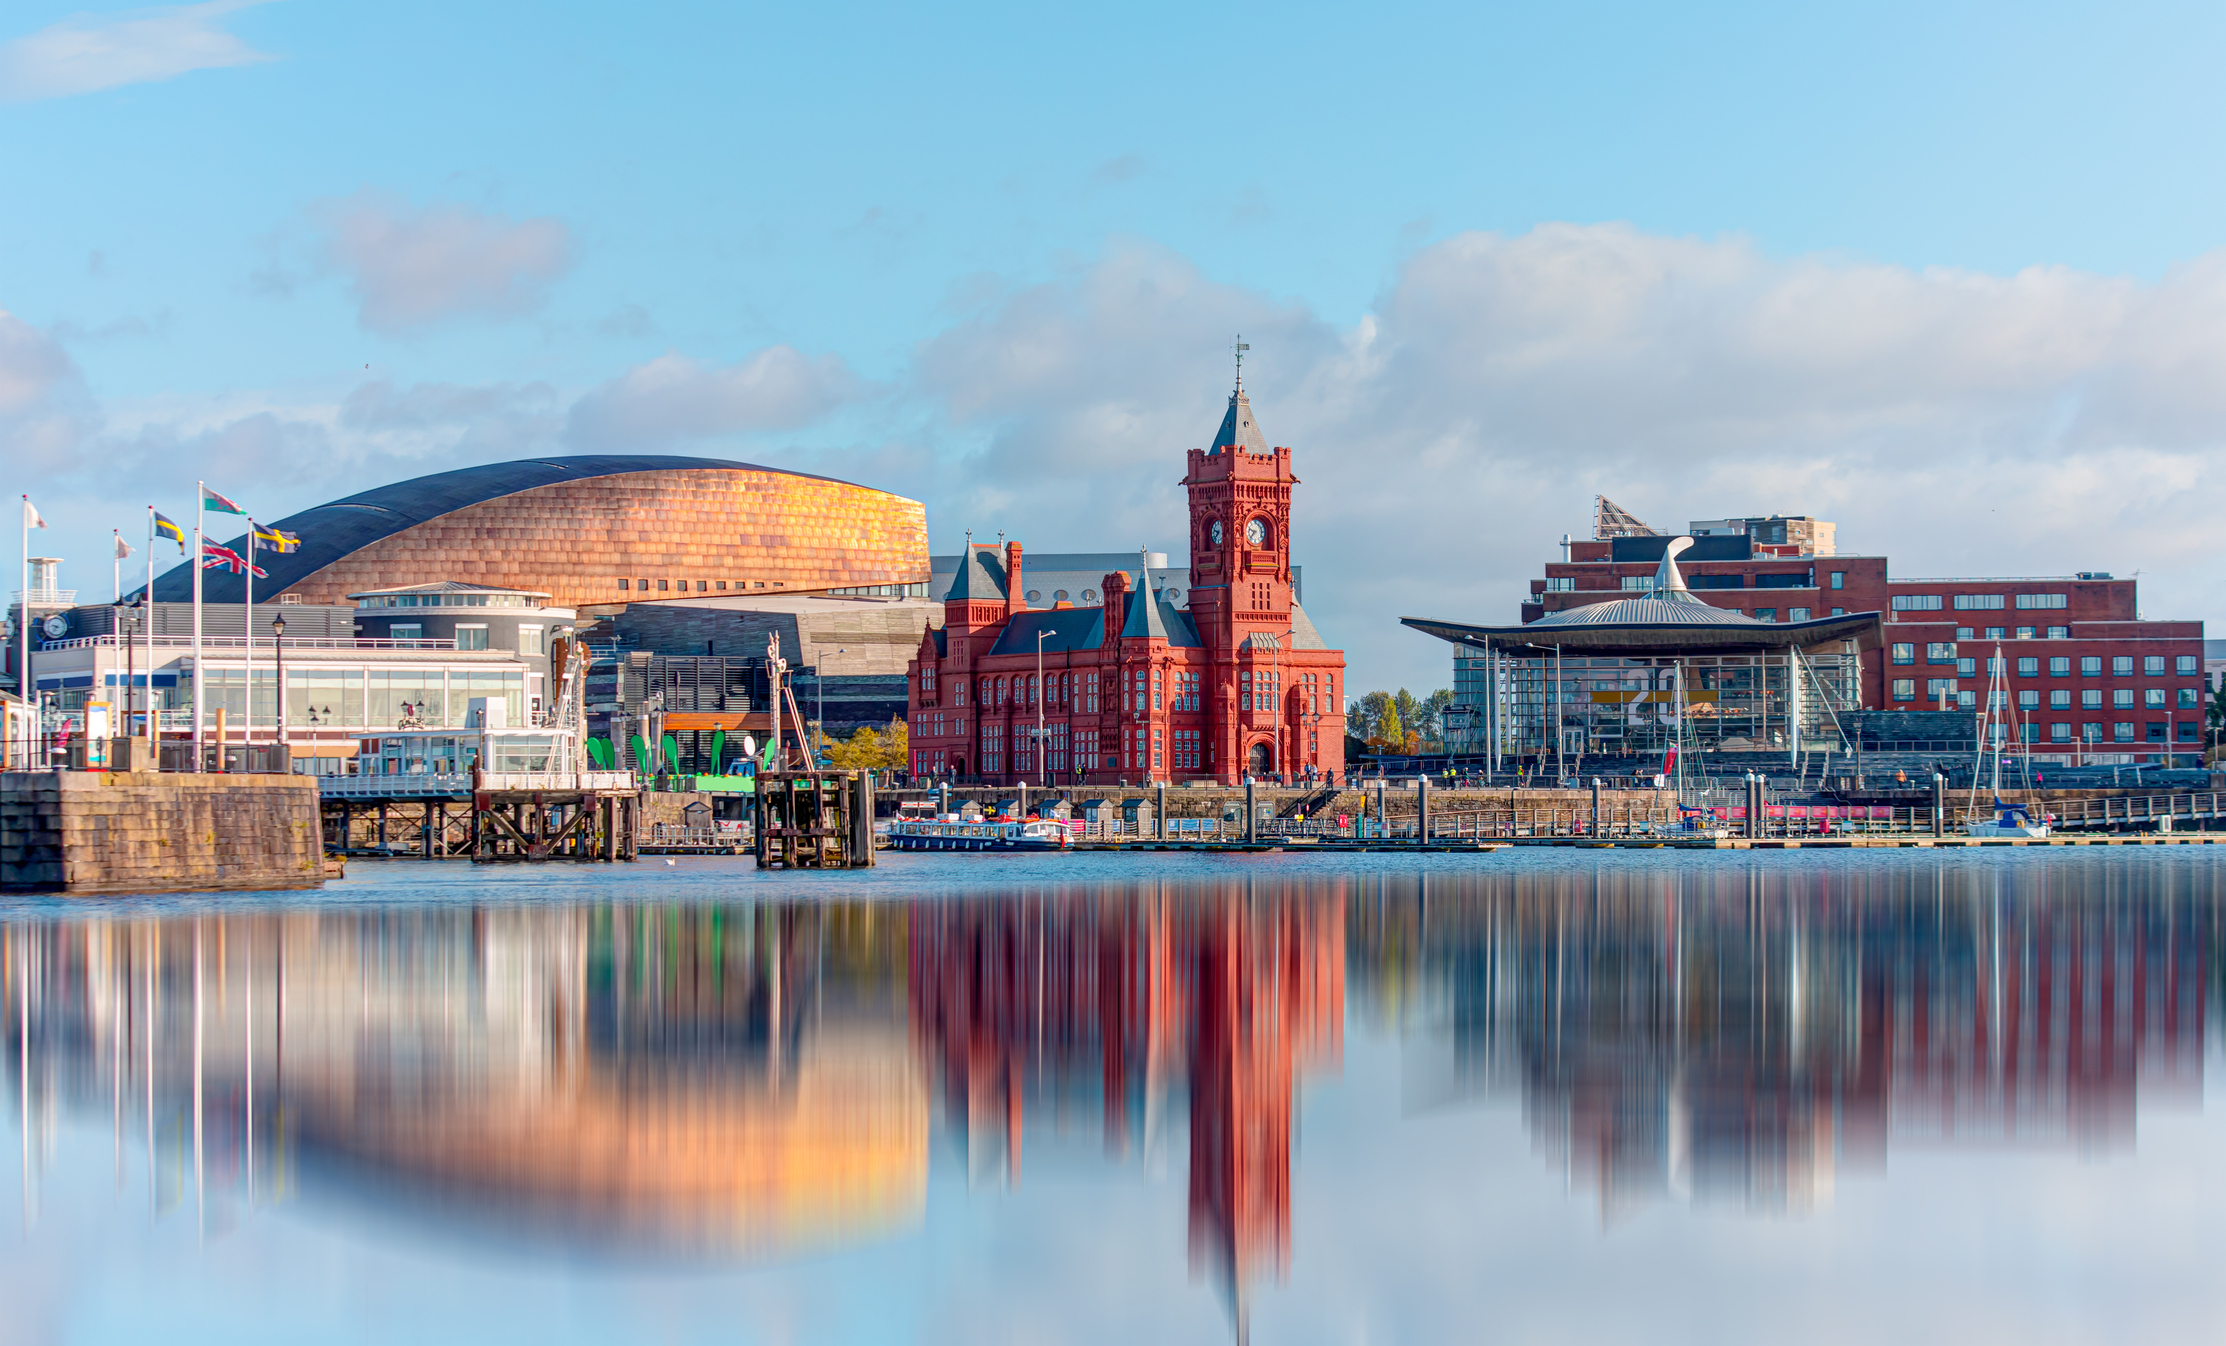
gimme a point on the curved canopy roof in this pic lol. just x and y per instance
(1668, 622)
(1636, 631)
(331, 531)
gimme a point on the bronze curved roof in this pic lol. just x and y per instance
(331, 531)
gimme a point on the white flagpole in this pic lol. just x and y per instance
(23, 684)
(200, 516)
(116, 564)
(154, 717)
(247, 630)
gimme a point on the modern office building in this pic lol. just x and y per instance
(2089, 679)
(594, 532)
(1018, 684)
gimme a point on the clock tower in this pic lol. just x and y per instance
(1240, 520)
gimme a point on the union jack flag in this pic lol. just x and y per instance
(215, 556)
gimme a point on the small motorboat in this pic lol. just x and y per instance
(986, 834)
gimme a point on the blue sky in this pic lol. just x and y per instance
(1946, 274)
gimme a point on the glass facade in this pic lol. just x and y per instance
(1532, 705)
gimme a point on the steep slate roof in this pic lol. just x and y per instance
(1239, 428)
(1072, 630)
(980, 577)
(1154, 618)
(331, 531)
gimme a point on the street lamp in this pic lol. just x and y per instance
(1043, 758)
(278, 639)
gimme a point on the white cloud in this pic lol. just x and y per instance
(44, 407)
(675, 398)
(90, 52)
(1962, 423)
(2036, 423)
(415, 269)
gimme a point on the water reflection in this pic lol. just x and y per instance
(745, 1081)
(1740, 1037)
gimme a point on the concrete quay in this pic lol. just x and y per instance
(101, 832)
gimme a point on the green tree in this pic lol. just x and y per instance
(1391, 733)
(1364, 718)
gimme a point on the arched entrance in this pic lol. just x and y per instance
(1261, 762)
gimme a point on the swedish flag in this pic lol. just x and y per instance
(165, 528)
(276, 539)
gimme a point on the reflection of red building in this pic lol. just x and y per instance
(1230, 995)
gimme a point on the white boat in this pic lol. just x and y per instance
(951, 834)
(2009, 820)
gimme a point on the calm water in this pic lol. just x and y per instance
(1536, 1096)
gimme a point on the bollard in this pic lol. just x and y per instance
(1251, 815)
(1596, 808)
(943, 799)
(1939, 805)
(1159, 811)
(1422, 810)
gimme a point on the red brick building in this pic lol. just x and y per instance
(2087, 676)
(1133, 688)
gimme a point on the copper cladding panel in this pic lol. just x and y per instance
(575, 540)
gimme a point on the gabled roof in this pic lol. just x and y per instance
(980, 577)
(1239, 428)
(1072, 630)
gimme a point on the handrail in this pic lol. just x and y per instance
(240, 643)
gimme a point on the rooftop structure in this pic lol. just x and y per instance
(595, 530)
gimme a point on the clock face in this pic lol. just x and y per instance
(1217, 532)
(57, 626)
(1256, 533)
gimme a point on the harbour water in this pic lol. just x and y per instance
(1529, 1096)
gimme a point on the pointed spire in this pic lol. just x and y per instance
(1144, 620)
(973, 581)
(1239, 428)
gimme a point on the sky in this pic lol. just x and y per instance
(1950, 275)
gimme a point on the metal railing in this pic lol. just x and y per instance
(240, 643)
(413, 785)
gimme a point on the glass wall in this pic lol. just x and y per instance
(324, 696)
(396, 694)
(510, 685)
(227, 690)
(1631, 706)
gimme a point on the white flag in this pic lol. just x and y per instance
(31, 517)
(123, 548)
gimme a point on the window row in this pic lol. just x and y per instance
(2153, 698)
(1975, 602)
(2059, 666)
(719, 586)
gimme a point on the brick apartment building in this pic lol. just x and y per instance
(2088, 678)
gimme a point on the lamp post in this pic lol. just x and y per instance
(278, 640)
(131, 668)
(822, 681)
(1043, 758)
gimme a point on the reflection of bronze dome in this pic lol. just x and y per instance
(836, 1155)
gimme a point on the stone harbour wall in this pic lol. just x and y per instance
(111, 832)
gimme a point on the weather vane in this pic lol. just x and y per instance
(1242, 347)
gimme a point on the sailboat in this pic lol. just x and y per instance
(2009, 820)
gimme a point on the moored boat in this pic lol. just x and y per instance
(987, 834)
